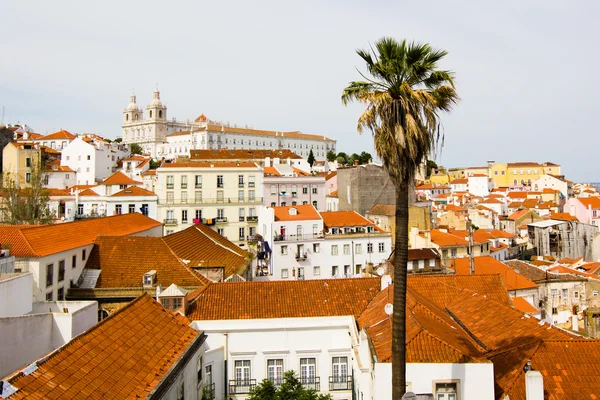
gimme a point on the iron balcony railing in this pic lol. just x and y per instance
(276, 381)
(252, 218)
(313, 383)
(170, 221)
(291, 238)
(241, 386)
(301, 256)
(204, 200)
(340, 382)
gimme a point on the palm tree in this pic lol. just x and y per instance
(404, 93)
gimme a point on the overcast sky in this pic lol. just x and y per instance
(525, 69)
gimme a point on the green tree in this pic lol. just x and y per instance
(354, 157)
(27, 202)
(154, 164)
(331, 156)
(365, 158)
(404, 93)
(431, 165)
(290, 389)
(135, 148)
(118, 140)
(311, 158)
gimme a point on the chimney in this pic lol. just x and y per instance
(534, 385)
(355, 162)
(267, 161)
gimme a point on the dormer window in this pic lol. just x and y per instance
(149, 278)
(293, 211)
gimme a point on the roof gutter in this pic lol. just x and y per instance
(173, 373)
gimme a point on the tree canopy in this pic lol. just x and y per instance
(290, 389)
(311, 158)
(135, 148)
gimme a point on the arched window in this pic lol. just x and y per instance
(126, 117)
(150, 113)
(283, 189)
(159, 113)
(135, 117)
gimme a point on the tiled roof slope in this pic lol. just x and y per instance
(43, 240)
(570, 369)
(226, 154)
(134, 191)
(123, 261)
(119, 178)
(205, 247)
(194, 164)
(303, 212)
(383, 209)
(284, 299)
(345, 218)
(63, 134)
(123, 357)
(489, 265)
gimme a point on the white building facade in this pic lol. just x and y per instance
(93, 161)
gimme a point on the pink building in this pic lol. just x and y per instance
(586, 209)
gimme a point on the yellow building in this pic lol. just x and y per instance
(441, 178)
(521, 173)
(18, 159)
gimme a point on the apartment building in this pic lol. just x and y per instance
(223, 195)
(285, 185)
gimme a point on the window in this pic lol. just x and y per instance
(251, 195)
(528, 171)
(453, 253)
(283, 188)
(554, 310)
(576, 294)
(80, 209)
(183, 197)
(170, 197)
(284, 273)
(275, 371)
(61, 270)
(199, 215)
(314, 203)
(242, 233)
(335, 270)
(273, 189)
(209, 377)
(118, 209)
(184, 215)
(294, 190)
(358, 248)
(421, 264)
(181, 388)
(316, 271)
(304, 189)
(346, 249)
(595, 293)
(308, 370)
(131, 208)
(334, 250)
(220, 213)
(60, 293)
(250, 181)
(369, 247)
(144, 209)
(273, 204)
(339, 369)
(83, 254)
(89, 157)
(240, 180)
(221, 231)
(409, 266)
(170, 182)
(74, 261)
(346, 270)
(535, 171)
(314, 189)
(554, 293)
(220, 196)
(219, 181)
(284, 250)
(28, 177)
(49, 275)
(446, 391)
(184, 181)
(241, 196)
(198, 181)
(49, 296)
(565, 293)
(381, 247)
(242, 214)
(521, 171)
(316, 247)
(199, 369)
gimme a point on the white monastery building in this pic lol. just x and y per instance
(163, 138)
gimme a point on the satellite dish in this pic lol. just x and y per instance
(389, 309)
(380, 271)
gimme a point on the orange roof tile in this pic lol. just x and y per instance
(482, 235)
(123, 261)
(489, 265)
(517, 195)
(303, 212)
(230, 154)
(88, 192)
(179, 133)
(63, 134)
(333, 194)
(330, 175)
(459, 181)
(206, 248)
(524, 306)
(518, 214)
(134, 191)
(43, 240)
(281, 299)
(127, 355)
(334, 219)
(119, 178)
(245, 131)
(593, 202)
(195, 164)
(271, 171)
(561, 216)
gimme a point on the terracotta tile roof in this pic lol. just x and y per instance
(53, 192)
(422, 254)
(88, 192)
(459, 181)
(529, 271)
(125, 356)
(119, 178)
(517, 195)
(336, 219)
(300, 172)
(489, 265)
(293, 135)
(281, 299)
(150, 172)
(330, 175)
(518, 214)
(179, 133)
(271, 171)
(227, 154)
(569, 368)
(561, 269)
(54, 166)
(593, 202)
(444, 239)
(134, 191)
(205, 247)
(43, 240)
(142, 160)
(531, 203)
(524, 306)
(333, 194)
(303, 212)
(452, 207)
(123, 261)
(82, 187)
(443, 289)
(491, 201)
(482, 235)
(63, 134)
(196, 164)
(383, 209)
(561, 216)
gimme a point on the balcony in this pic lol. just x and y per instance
(218, 200)
(240, 184)
(242, 219)
(198, 186)
(252, 218)
(241, 386)
(170, 221)
(170, 186)
(221, 220)
(293, 238)
(340, 383)
(301, 256)
(311, 383)
(250, 184)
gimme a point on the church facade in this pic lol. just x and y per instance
(163, 138)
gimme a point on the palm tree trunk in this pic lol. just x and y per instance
(399, 315)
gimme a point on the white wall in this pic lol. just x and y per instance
(476, 380)
(15, 294)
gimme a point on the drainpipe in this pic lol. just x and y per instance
(225, 355)
(353, 265)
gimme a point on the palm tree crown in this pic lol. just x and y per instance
(404, 92)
